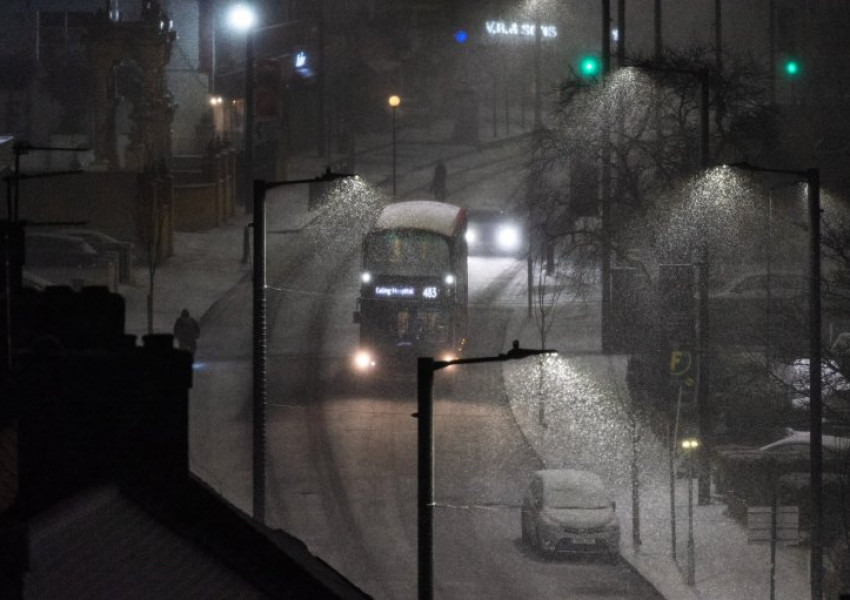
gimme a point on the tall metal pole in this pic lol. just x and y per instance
(771, 48)
(425, 368)
(815, 367)
(425, 476)
(704, 330)
(394, 151)
(213, 56)
(621, 33)
(606, 37)
(815, 397)
(658, 34)
(605, 269)
(718, 35)
(321, 79)
(690, 577)
(259, 357)
(538, 46)
(249, 116)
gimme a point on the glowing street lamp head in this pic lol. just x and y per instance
(242, 17)
(394, 101)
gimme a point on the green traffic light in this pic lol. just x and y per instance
(589, 67)
(791, 68)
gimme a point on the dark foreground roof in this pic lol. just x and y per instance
(118, 542)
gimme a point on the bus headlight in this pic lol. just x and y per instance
(363, 360)
(450, 279)
(471, 236)
(365, 277)
(508, 238)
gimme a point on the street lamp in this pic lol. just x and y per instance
(243, 18)
(426, 367)
(703, 338)
(690, 445)
(259, 356)
(812, 179)
(394, 102)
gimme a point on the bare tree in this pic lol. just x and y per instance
(153, 219)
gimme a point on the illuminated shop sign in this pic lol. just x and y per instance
(514, 29)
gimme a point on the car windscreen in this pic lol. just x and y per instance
(575, 497)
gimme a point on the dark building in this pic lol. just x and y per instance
(96, 498)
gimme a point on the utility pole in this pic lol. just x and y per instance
(718, 35)
(321, 120)
(658, 40)
(538, 34)
(606, 37)
(704, 330)
(605, 270)
(621, 33)
(771, 50)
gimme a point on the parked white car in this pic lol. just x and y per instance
(569, 511)
(798, 443)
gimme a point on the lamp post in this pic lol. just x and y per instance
(259, 338)
(242, 17)
(812, 179)
(690, 446)
(426, 367)
(394, 102)
(703, 337)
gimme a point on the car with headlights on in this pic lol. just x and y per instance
(494, 232)
(569, 511)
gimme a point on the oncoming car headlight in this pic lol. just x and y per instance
(363, 360)
(508, 237)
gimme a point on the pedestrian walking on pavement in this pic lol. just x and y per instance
(187, 331)
(438, 184)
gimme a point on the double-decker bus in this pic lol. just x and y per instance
(413, 287)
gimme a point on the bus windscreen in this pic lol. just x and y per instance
(407, 253)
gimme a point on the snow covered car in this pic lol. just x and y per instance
(797, 444)
(568, 511)
(759, 307)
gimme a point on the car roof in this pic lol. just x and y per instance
(569, 479)
(88, 232)
(56, 236)
(773, 273)
(829, 442)
(30, 279)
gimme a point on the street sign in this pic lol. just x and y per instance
(680, 362)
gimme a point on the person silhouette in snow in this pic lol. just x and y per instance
(187, 331)
(438, 184)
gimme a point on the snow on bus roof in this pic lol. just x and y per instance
(427, 215)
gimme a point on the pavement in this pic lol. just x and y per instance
(725, 565)
(205, 265)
